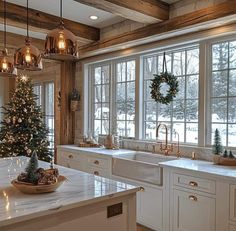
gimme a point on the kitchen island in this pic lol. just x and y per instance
(85, 202)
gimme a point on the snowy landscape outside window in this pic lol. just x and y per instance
(45, 93)
(181, 115)
(223, 92)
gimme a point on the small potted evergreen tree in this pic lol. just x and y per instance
(217, 147)
(74, 100)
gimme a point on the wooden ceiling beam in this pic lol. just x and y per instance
(144, 11)
(187, 23)
(42, 22)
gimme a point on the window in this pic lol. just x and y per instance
(125, 98)
(182, 114)
(113, 98)
(45, 93)
(205, 101)
(101, 100)
(223, 92)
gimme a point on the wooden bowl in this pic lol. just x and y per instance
(37, 189)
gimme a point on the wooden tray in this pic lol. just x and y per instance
(28, 188)
(224, 161)
(227, 161)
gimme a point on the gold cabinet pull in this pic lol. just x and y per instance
(96, 162)
(71, 156)
(193, 184)
(142, 189)
(96, 173)
(192, 198)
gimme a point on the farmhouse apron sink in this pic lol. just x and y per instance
(140, 166)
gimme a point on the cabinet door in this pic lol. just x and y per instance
(233, 202)
(192, 212)
(232, 228)
(150, 208)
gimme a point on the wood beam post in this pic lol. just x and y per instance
(144, 11)
(66, 115)
(199, 20)
(43, 22)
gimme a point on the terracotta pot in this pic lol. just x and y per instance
(74, 105)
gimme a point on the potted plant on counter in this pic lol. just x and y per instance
(74, 100)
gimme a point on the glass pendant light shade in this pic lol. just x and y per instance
(61, 44)
(7, 68)
(7, 65)
(28, 57)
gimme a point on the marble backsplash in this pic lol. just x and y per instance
(201, 153)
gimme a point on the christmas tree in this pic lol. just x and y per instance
(217, 147)
(23, 129)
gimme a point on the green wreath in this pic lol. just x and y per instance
(171, 80)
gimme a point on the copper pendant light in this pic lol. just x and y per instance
(60, 43)
(6, 62)
(28, 57)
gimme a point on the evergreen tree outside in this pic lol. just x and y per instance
(23, 129)
(217, 147)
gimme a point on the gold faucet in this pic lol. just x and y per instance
(166, 148)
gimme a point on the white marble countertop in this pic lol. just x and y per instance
(228, 172)
(101, 151)
(80, 189)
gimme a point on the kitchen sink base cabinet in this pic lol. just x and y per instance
(197, 202)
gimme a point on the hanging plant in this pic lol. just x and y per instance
(157, 86)
(74, 100)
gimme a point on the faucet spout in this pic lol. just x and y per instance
(166, 131)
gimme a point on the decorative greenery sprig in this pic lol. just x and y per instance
(74, 95)
(169, 79)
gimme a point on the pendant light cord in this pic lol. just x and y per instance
(27, 18)
(61, 11)
(5, 24)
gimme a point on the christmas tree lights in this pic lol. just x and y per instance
(23, 129)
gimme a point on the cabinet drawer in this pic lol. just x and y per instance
(194, 183)
(99, 172)
(69, 155)
(99, 162)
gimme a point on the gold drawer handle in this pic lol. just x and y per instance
(142, 189)
(96, 173)
(71, 156)
(192, 198)
(96, 162)
(193, 184)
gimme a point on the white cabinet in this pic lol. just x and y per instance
(149, 204)
(193, 212)
(87, 162)
(233, 203)
(150, 208)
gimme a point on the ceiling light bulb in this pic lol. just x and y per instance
(28, 55)
(61, 42)
(93, 17)
(4, 64)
